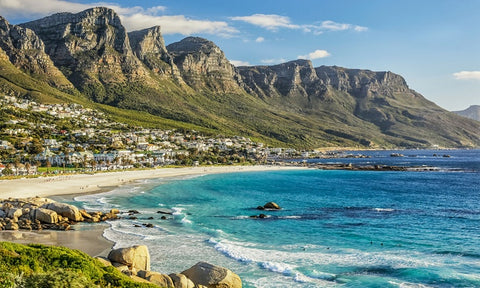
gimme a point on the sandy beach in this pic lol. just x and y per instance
(88, 238)
(92, 183)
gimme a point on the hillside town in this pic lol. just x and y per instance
(79, 139)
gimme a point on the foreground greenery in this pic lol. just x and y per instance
(41, 266)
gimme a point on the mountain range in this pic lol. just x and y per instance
(91, 59)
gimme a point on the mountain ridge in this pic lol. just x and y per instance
(472, 112)
(192, 81)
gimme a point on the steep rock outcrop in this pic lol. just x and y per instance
(149, 46)
(92, 49)
(26, 51)
(203, 65)
(295, 79)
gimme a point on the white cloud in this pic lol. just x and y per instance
(273, 22)
(134, 17)
(267, 21)
(238, 63)
(177, 24)
(317, 54)
(273, 61)
(259, 39)
(467, 75)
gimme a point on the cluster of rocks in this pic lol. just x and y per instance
(270, 206)
(135, 262)
(37, 213)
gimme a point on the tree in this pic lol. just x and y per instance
(7, 171)
(36, 147)
(48, 165)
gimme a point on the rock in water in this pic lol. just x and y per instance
(272, 205)
(134, 257)
(213, 276)
(66, 210)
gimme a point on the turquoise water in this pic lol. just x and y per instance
(336, 228)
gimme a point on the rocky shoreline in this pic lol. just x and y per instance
(36, 214)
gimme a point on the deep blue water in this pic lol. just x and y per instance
(336, 228)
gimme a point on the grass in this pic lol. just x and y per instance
(41, 266)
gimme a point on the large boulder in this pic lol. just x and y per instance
(156, 278)
(134, 257)
(213, 276)
(2, 214)
(66, 210)
(14, 213)
(44, 215)
(181, 281)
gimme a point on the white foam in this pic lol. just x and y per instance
(185, 221)
(383, 209)
(177, 210)
(290, 217)
(281, 268)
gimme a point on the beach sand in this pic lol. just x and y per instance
(88, 237)
(96, 183)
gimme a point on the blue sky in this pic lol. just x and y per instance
(435, 45)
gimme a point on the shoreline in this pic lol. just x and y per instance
(80, 184)
(89, 238)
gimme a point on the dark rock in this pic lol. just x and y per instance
(272, 205)
(165, 211)
(163, 218)
(260, 208)
(133, 212)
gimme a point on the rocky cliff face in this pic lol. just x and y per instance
(148, 45)
(203, 65)
(26, 51)
(294, 79)
(92, 49)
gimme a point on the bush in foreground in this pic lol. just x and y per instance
(42, 266)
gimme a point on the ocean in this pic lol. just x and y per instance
(335, 228)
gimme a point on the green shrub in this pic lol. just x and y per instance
(40, 266)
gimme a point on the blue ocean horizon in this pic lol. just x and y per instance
(335, 228)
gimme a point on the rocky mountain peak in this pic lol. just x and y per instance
(199, 59)
(67, 34)
(149, 46)
(194, 45)
(92, 49)
(26, 51)
(362, 83)
(147, 41)
(295, 79)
